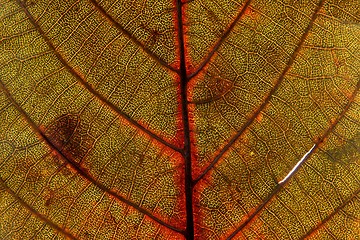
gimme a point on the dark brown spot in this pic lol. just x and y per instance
(48, 202)
(154, 35)
(49, 197)
(69, 137)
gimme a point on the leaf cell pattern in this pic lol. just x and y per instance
(179, 119)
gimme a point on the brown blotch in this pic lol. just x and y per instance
(154, 35)
(49, 198)
(69, 137)
(217, 23)
(219, 88)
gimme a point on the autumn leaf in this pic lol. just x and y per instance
(179, 119)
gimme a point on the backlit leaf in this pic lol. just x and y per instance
(179, 119)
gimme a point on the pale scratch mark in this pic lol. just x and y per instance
(297, 165)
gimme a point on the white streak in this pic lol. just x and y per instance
(297, 165)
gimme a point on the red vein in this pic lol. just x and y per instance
(221, 40)
(185, 117)
(129, 35)
(36, 213)
(325, 220)
(78, 168)
(83, 82)
(321, 140)
(266, 100)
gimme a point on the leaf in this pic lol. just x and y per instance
(179, 119)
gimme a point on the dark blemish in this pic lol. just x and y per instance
(48, 202)
(154, 37)
(155, 34)
(49, 199)
(219, 88)
(214, 19)
(69, 137)
(347, 152)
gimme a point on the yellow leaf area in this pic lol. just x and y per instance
(281, 80)
(192, 119)
(84, 88)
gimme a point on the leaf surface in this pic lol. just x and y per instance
(179, 119)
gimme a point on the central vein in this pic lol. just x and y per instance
(185, 118)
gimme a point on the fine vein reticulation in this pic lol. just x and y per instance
(266, 101)
(186, 151)
(78, 168)
(90, 88)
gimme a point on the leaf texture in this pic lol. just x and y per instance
(179, 119)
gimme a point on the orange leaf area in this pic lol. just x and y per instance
(179, 119)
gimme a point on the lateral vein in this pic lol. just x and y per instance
(36, 213)
(102, 11)
(77, 167)
(87, 86)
